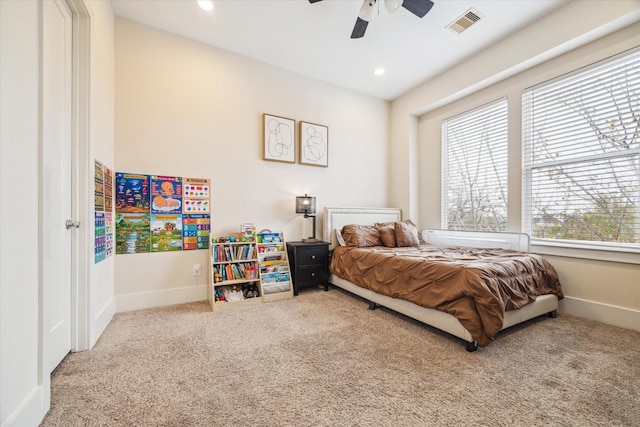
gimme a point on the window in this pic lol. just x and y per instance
(474, 169)
(581, 178)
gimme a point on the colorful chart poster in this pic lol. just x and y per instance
(103, 221)
(98, 186)
(133, 233)
(166, 232)
(196, 196)
(100, 246)
(108, 233)
(132, 193)
(196, 232)
(108, 189)
(156, 213)
(166, 194)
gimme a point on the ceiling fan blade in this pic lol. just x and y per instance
(314, 1)
(364, 16)
(418, 7)
(359, 28)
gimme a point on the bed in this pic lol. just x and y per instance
(462, 253)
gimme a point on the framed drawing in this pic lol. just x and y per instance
(279, 139)
(314, 144)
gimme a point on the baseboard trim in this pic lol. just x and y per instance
(31, 411)
(101, 321)
(610, 314)
(141, 300)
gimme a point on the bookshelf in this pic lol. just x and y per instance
(275, 276)
(249, 272)
(235, 277)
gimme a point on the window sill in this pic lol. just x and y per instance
(627, 255)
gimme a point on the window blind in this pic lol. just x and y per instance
(581, 154)
(474, 169)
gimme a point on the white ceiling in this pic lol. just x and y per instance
(314, 39)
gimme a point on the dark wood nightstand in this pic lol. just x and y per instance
(309, 264)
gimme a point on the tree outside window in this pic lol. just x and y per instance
(474, 169)
(582, 154)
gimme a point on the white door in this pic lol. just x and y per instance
(56, 178)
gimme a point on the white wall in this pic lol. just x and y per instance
(187, 109)
(600, 290)
(102, 303)
(24, 385)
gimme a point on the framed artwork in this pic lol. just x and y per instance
(314, 144)
(279, 139)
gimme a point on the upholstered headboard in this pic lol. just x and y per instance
(336, 218)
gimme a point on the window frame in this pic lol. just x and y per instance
(607, 251)
(500, 102)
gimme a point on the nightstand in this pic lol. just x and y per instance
(309, 264)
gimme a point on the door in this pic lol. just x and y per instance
(56, 179)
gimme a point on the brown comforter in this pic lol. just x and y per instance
(475, 285)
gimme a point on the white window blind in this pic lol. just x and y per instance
(581, 178)
(474, 169)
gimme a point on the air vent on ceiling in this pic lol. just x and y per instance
(469, 18)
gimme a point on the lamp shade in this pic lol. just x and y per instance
(306, 205)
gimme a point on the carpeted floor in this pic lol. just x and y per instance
(324, 359)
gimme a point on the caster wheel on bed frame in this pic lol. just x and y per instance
(553, 314)
(372, 305)
(471, 346)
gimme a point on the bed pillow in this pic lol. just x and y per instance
(406, 234)
(339, 238)
(387, 234)
(361, 236)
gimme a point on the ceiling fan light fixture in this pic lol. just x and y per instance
(378, 71)
(392, 5)
(366, 10)
(205, 5)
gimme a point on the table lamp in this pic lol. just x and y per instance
(307, 205)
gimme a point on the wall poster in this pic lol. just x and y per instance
(196, 196)
(132, 193)
(132, 233)
(100, 238)
(103, 205)
(108, 189)
(159, 213)
(196, 229)
(99, 186)
(108, 233)
(196, 209)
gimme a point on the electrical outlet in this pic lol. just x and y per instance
(197, 270)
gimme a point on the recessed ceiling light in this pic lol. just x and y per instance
(205, 4)
(378, 71)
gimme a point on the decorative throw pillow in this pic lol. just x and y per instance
(339, 238)
(392, 225)
(387, 234)
(361, 236)
(406, 234)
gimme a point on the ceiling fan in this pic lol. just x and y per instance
(417, 7)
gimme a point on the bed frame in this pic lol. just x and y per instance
(335, 218)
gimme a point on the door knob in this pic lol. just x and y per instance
(72, 224)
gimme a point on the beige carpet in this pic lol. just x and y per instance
(324, 359)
